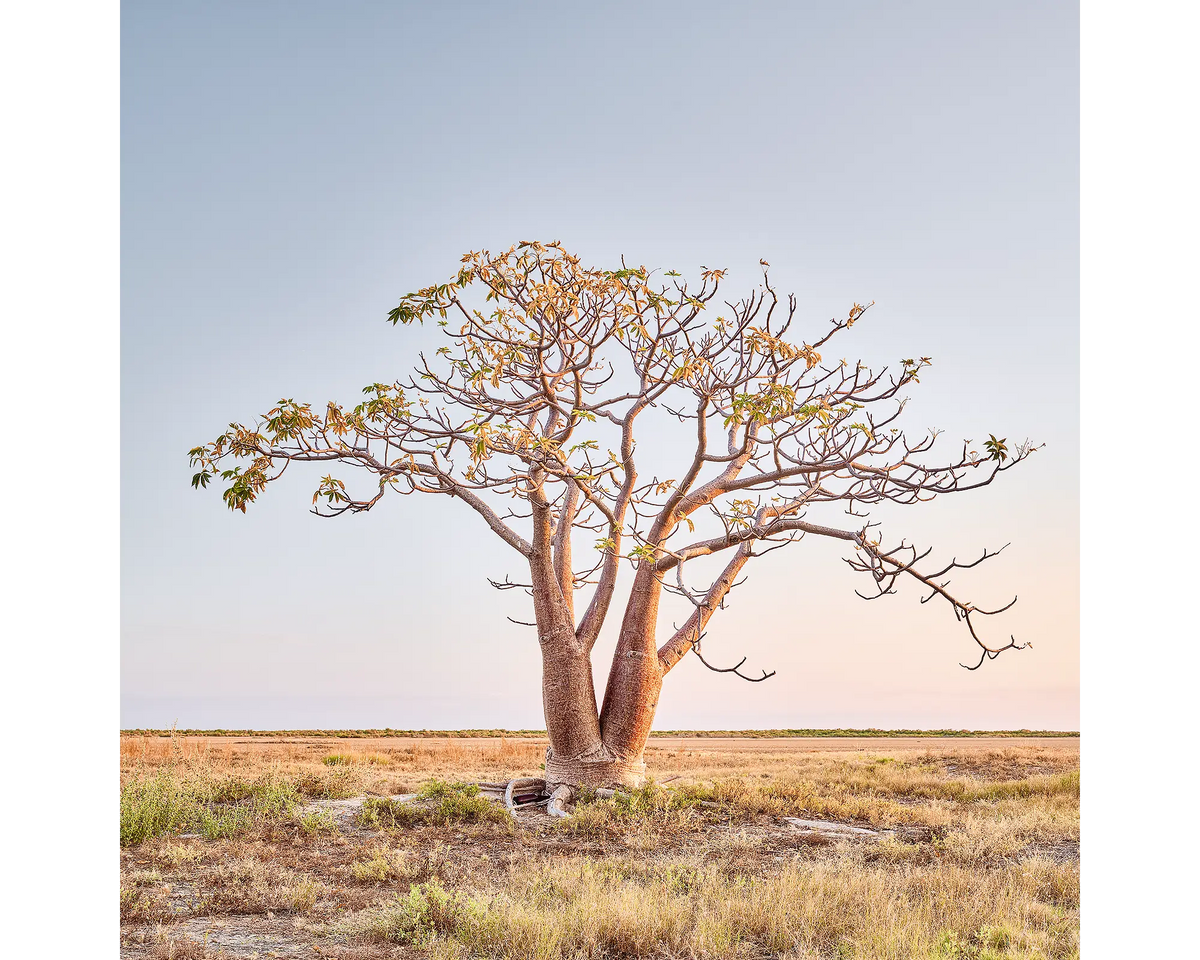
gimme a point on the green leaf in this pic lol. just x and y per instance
(997, 449)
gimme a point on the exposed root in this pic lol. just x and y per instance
(561, 796)
(532, 792)
(525, 792)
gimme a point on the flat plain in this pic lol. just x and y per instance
(244, 846)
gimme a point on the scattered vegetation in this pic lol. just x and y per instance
(162, 803)
(474, 734)
(438, 804)
(428, 911)
(839, 907)
(981, 861)
(346, 759)
(249, 885)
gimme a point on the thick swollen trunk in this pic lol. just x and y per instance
(579, 755)
(635, 678)
(603, 749)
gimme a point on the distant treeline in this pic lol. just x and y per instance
(533, 734)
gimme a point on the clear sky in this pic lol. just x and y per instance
(290, 169)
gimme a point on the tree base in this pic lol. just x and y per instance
(596, 769)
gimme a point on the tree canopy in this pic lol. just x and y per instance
(529, 414)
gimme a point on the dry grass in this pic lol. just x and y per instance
(983, 861)
(840, 907)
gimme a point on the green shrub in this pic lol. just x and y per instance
(438, 804)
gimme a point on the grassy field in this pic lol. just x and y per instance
(540, 734)
(251, 846)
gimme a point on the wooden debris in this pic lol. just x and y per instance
(833, 829)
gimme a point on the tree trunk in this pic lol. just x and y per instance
(578, 754)
(587, 748)
(610, 753)
(635, 678)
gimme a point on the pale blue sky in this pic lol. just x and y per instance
(290, 169)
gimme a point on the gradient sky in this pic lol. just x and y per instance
(290, 169)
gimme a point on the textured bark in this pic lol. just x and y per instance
(569, 702)
(577, 755)
(582, 752)
(600, 770)
(588, 748)
(635, 678)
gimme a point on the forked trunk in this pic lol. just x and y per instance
(605, 749)
(580, 754)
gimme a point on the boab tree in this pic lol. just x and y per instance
(530, 414)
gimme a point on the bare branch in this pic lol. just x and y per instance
(734, 669)
(885, 567)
